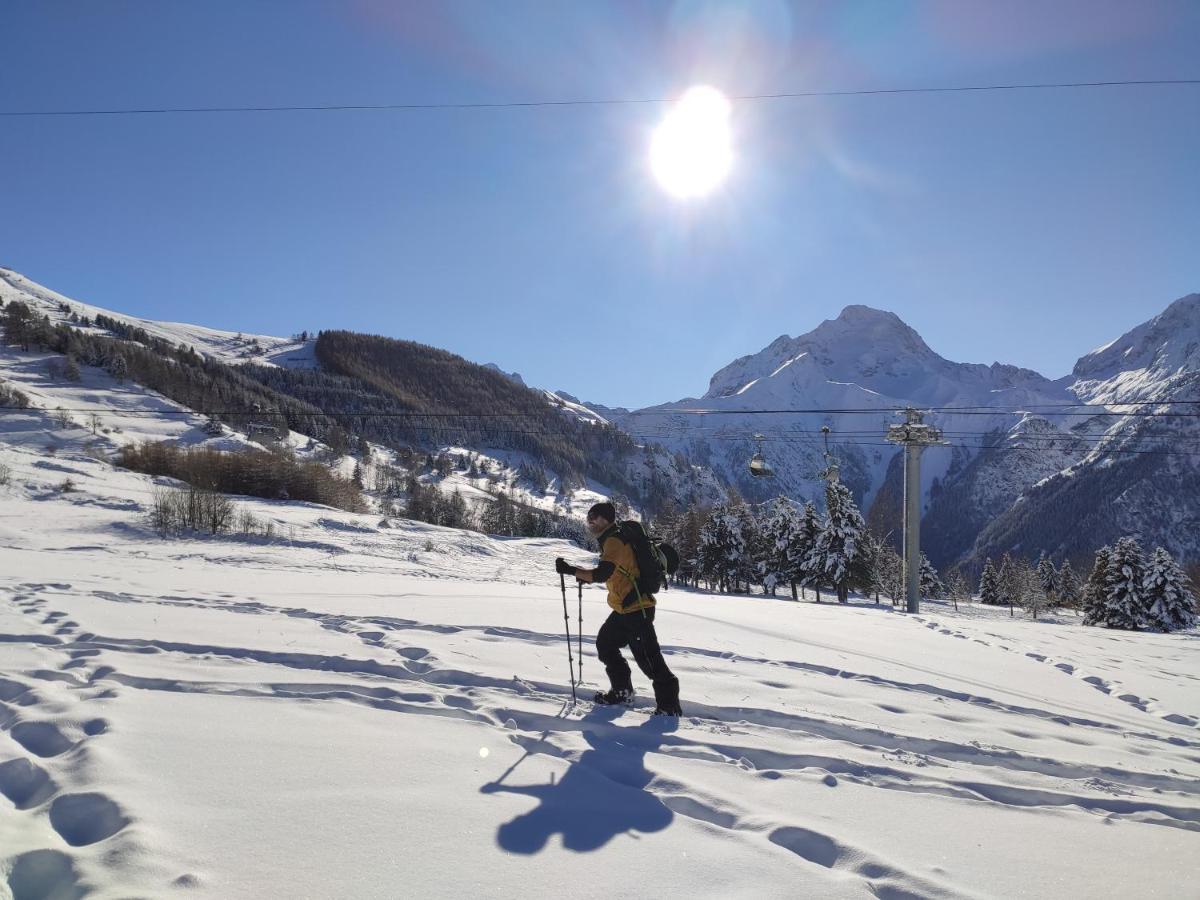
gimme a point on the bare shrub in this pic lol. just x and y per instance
(218, 511)
(5, 474)
(11, 398)
(247, 523)
(176, 510)
(67, 486)
(255, 473)
(163, 518)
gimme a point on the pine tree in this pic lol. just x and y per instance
(1125, 604)
(836, 550)
(1028, 592)
(71, 370)
(957, 588)
(1095, 591)
(1170, 603)
(989, 585)
(799, 549)
(931, 582)
(745, 565)
(17, 324)
(870, 570)
(1068, 586)
(1048, 578)
(1004, 582)
(892, 574)
(780, 530)
(722, 547)
(118, 368)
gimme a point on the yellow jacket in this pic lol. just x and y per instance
(622, 591)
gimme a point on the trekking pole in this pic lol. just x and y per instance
(579, 586)
(562, 580)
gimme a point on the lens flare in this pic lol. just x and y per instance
(691, 151)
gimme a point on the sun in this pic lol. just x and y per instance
(691, 150)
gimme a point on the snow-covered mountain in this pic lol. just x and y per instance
(850, 374)
(1140, 473)
(1010, 429)
(1148, 361)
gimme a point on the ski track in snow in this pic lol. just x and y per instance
(1107, 686)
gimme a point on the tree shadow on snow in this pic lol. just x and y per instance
(602, 794)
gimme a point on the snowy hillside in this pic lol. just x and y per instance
(226, 346)
(655, 473)
(351, 711)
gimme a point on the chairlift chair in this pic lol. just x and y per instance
(759, 467)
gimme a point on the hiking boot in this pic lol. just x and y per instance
(614, 697)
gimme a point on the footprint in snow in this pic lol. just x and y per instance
(25, 783)
(45, 873)
(41, 738)
(83, 819)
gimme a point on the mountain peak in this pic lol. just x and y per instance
(860, 343)
(1166, 344)
(880, 330)
(857, 312)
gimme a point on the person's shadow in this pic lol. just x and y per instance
(601, 795)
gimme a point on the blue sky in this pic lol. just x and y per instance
(1025, 227)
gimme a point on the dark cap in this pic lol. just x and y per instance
(604, 511)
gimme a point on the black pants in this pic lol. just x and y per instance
(635, 630)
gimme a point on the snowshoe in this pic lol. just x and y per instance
(668, 709)
(614, 698)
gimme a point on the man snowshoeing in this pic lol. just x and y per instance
(630, 623)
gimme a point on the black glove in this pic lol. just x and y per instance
(562, 567)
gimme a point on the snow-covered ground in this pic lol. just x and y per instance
(355, 711)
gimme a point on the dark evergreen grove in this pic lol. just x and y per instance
(401, 393)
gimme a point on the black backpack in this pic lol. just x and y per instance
(655, 561)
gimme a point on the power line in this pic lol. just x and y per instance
(950, 411)
(796, 439)
(659, 429)
(628, 101)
